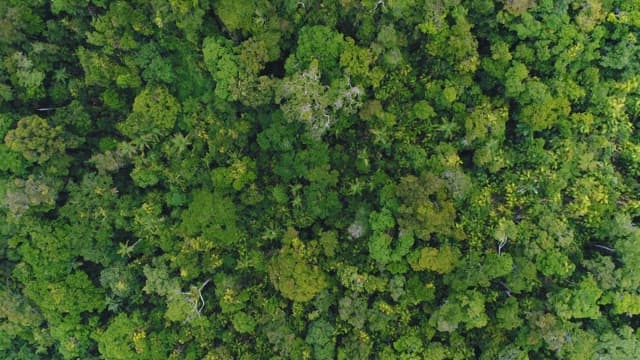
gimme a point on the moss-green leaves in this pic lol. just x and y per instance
(441, 260)
(154, 115)
(293, 275)
(35, 139)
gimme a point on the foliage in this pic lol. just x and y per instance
(294, 277)
(252, 179)
(154, 113)
(35, 139)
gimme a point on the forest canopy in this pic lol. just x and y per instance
(335, 179)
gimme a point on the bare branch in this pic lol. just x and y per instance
(507, 290)
(605, 248)
(501, 244)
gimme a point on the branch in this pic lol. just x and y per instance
(196, 299)
(200, 293)
(501, 244)
(506, 289)
(605, 248)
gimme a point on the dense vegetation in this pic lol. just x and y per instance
(335, 179)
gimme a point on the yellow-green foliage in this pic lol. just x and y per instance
(442, 260)
(35, 139)
(295, 277)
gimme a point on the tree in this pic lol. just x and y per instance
(222, 64)
(20, 320)
(35, 139)
(212, 216)
(426, 206)
(124, 338)
(306, 99)
(293, 275)
(508, 315)
(467, 309)
(579, 303)
(353, 310)
(441, 260)
(32, 193)
(154, 115)
(243, 322)
(25, 76)
(237, 70)
(321, 335)
(246, 16)
(317, 43)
